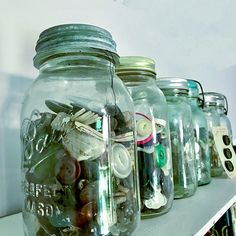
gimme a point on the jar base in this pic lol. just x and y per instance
(181, 192)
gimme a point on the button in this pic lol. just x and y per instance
(144, 128)
(229, 166)
(161, 158)
(160, 125)
(121, 161)
(157, 201)
(67, 170)
(89, 192)
(227, 153)
(86, 213)
(226, 139)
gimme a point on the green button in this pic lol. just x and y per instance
(161, 158)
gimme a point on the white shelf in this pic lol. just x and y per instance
(189, 216)
(194, 215)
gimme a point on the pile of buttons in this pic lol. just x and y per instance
(152, 160)
(67, 177)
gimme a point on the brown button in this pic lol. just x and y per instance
(86, 213)
(67, 170)
(89, 193)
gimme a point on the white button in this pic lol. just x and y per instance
(144, 128)
(121, 161)
(157, 201)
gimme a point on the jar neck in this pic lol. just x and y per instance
(74, 62)
(137, 78)
(221, 110)
(210, 108)
(175, 92)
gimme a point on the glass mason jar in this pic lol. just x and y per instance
(181, 134)
(202, 152)
(222, 108)
(78, 147)
(153, 140)
(213, 120)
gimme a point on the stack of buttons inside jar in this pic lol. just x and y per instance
(153, 141)
(203, 161)
(181, 134)
(213, 108)
(78, 147)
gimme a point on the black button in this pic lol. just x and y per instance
(226, 139)
(227, 153)
(229, 166)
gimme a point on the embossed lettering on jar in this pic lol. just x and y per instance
(77, 133)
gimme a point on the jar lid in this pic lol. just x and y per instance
(72, 38)
(172, 83)
(132, 63)
(217, 99)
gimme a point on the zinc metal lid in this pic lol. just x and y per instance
(69, 38)
(132, 63)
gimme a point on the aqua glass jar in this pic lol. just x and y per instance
(181, 134)
(222, 108)
(213, 120)
(202, 152)
(78, 147)
(153, 140)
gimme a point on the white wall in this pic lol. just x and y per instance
(192, 38)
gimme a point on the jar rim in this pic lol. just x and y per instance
(131, 64)
(215, 98)
(174, 83)
(68, 38)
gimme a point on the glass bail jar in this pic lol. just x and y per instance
(213, 120)
(78, 147)
(181, 134)
(153, 141)
(222, 108)
(202, 152)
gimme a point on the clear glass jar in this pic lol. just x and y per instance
(153, 140)
(213, 120)
(222, 108)
(78, 148)
(202, 152)
(181, 134)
